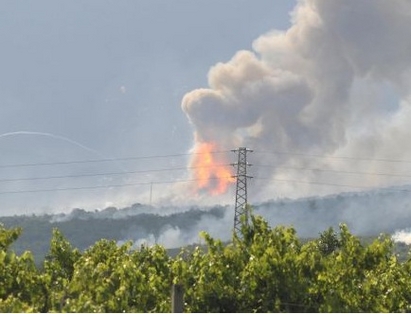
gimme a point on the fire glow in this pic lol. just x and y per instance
(211, 174)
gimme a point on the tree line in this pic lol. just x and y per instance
(83, 228)
(263, 269)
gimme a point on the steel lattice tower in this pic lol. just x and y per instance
(241, 188)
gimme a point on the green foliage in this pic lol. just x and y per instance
(21, 285)
(59, 269)
(8, 236)
(111, 278)
(328, 242)
(210, 278)
(264, 269)
(357, 278)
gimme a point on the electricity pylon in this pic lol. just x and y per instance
(241, 188)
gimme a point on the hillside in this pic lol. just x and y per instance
(367, 214)
(84, 228)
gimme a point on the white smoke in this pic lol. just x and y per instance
(336, 83)
(403, 236)
(175, 237)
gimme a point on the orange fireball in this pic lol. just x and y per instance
(211, 174)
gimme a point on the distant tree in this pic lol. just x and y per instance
(328, 242)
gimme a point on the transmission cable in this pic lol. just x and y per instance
(109, 173)
(335, 171)
(332, 157)
(332, 184)
(105, 160)
(106, 186)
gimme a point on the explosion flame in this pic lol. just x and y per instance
(212, 174)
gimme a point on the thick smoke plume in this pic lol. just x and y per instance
(336, 83)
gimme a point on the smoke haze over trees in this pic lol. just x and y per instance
(366, 214)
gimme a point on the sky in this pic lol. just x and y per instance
(110, 76)
(320, 90)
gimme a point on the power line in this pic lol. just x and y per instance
(335, 171)
(195, 180)
(332, 184)
(190, 154)
(189, 168)
(333, 157)
(104, 160)
(197, 167)
(175, 181)
(106, 186)
(108, 173)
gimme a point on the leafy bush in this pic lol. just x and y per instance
(264, 269)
